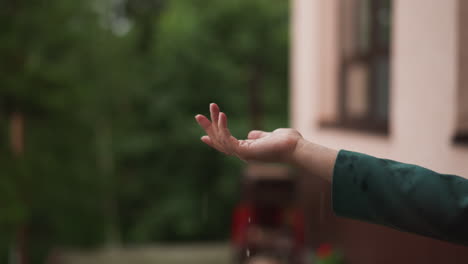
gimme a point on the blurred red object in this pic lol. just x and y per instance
(267, 220)
(324, 250)
(248, 215)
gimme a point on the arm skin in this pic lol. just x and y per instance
(322, 163)
(402, 196)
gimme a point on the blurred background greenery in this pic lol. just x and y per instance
(101, 95)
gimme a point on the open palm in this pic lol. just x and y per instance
(276, 146)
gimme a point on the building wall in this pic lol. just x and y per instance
(423, 92)
(463, 68)
(423, 116)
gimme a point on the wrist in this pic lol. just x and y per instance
(315, 159)
(298, 151)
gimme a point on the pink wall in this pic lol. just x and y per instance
(422, 119)
(423, 92)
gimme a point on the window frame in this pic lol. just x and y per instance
(375, 51)
(460, 137)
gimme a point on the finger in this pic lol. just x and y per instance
(256, 134)
(207, 140)
(214, 111)
(222, 126)
(222, 121)
(228, 142)
(203, 122)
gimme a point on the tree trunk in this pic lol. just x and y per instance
(105, 161)
(20, 244)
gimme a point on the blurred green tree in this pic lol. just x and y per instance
(106, 91)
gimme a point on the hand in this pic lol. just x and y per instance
(276, 146)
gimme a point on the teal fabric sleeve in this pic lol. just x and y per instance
(406, 197)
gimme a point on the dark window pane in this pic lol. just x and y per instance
(381, 85)
(383, 19)
(349, 26)
(364, 26)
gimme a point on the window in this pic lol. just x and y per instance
(363, 65)
(461, 134)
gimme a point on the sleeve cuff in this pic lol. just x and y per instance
(350, 186)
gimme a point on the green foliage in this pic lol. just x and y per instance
(108, 90)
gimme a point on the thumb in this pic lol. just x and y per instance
(256, 134)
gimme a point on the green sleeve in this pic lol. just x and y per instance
(402, 196)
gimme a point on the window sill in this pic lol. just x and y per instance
(461, 139)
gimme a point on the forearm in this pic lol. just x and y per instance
(403, 196)
(317, 160)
